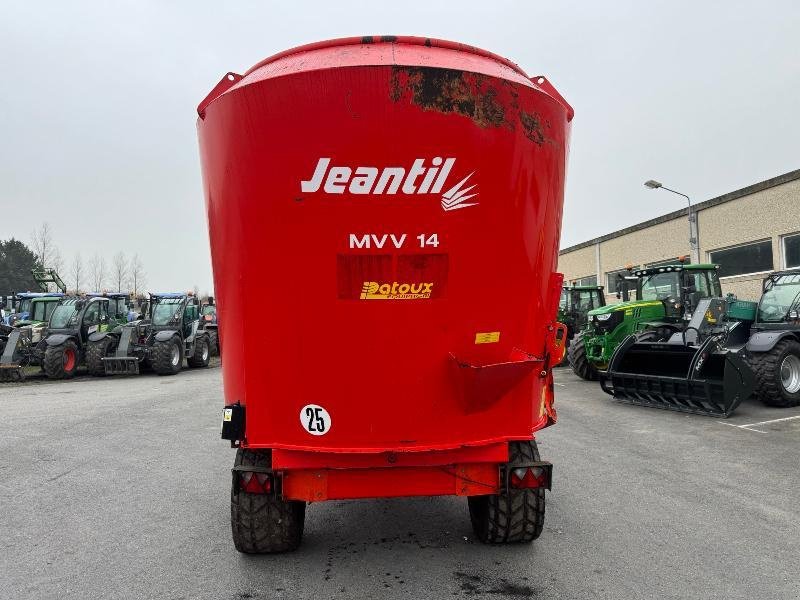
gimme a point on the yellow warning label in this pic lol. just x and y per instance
(227, 414)
(489, 337)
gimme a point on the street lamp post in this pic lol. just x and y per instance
(693, 245)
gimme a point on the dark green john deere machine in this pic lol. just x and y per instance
(666, 298)
(169, 333)
(729, 350)
(574, 306)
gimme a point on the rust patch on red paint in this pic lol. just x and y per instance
(532, 126)
(472, 95)
(449, 91)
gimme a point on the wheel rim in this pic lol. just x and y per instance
(69, 359)
(205, 352)
(176, 355)
(790, 373)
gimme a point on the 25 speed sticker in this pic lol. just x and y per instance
(315, 419)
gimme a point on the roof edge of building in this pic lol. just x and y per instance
(734, 195)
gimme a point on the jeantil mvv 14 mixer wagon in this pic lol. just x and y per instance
(401, 200)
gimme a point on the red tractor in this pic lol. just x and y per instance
(403, 197)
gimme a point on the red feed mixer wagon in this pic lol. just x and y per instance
(400, 199)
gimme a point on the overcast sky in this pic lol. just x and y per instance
(97, 104)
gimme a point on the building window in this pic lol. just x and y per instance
(791, 251)
(615, 280)
(743, 260)
(588, 280)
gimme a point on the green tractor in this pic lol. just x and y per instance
(73, 321)
(666, 298)
(170, 332)
(20, 340)
(574, 306)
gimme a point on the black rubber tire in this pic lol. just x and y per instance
(576, 353)
(213, 342)
(767, 368)
(95, 352)
(261, 523)
(201, 355)
(54, 361)
(515, 517)
(655, 334)
(162, 356)
(651, 335)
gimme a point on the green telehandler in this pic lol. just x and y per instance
(666, 295)
(773, 349)
(169, 333)
(64, 344)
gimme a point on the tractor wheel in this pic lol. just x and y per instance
(578, 361)
(513, 517)
(167, 357)
(778, 374)
(263, 523)
(61, 362)
(655, 334)
(201, 353)
(95, 352)
(213, 342)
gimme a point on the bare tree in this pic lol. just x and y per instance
(56, 262)
(97, 269)
(45, 249)
(43, 245)
(137, 276)
(77, 271)
(120, 269)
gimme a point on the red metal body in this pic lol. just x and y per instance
(396, 205)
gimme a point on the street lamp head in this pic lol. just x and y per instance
(652, 184)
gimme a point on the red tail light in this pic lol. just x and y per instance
(530, 477)
(255, 483)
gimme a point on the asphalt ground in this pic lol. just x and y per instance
(120, 489)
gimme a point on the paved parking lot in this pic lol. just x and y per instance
(119, 489)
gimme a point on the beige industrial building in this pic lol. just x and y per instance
(748, 232)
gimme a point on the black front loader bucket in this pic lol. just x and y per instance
(121, 363)
(121, 366)
(11, 372)
(704, 380)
